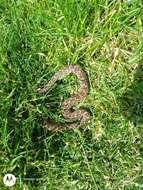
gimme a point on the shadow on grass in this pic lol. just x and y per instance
(131, 102)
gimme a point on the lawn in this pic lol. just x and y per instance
(37, 39)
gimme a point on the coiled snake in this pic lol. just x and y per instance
(81, 115)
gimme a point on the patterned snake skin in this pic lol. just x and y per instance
(80, 116)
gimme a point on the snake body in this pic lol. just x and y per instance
(81, 115)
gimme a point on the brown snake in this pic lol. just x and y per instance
(80, 115)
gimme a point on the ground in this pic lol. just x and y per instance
(37, 38)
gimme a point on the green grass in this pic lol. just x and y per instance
(37, 38)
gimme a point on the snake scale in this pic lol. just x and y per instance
(80, 116)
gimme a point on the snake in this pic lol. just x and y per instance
(78, 117)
